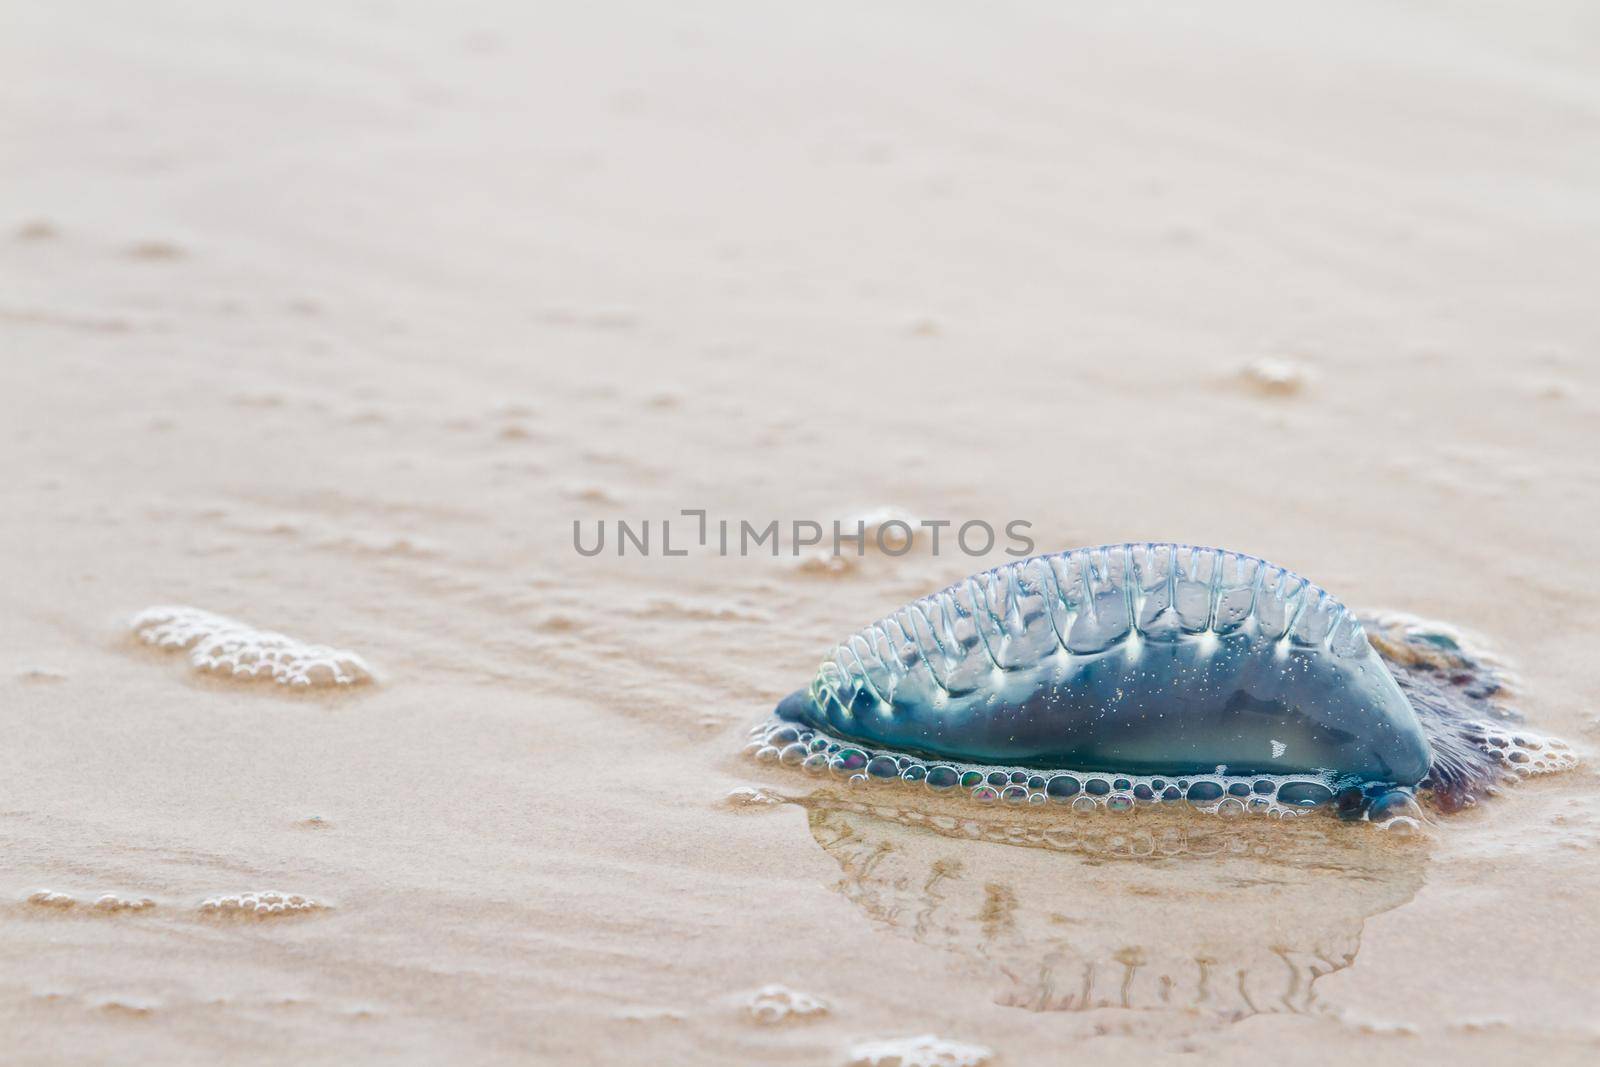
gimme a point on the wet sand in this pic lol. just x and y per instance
(332, 319)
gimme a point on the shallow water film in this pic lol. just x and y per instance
(1005, 898)
(324, 326)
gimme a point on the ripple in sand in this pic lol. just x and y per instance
(825, 564)
(649, 1015)
(884, 531)
(260, 905)
(37, 230)
(221, 645)
(1275, 377)
(746, 797)
(119, 1005)
(154, 250)
(924, 1051)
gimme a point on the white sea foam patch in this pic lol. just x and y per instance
(774, 1004)
(106, 903)
(259, 905)
(925, 1051)
(220, 645)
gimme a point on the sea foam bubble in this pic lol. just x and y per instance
(260, 905)
(220, 645)
(111, 902)
(924, 1051)
(106, 903)
(774, 1004)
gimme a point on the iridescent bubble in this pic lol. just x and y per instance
(848, 762)
(883, 767)
(1231, 808)
(1062, 787)
(1395, 804)
(1304, 794)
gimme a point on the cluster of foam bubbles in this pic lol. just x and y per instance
(106, 902)
(110, 902)
(926, 1050)
(1524, 753)
(221, 645)
(260, 905)
(1461, 691)
(774, 1004)
(1275, 796)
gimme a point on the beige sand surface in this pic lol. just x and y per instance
(331, 318)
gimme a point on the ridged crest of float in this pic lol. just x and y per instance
(1083, 602)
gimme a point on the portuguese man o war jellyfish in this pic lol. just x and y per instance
(1145, 674)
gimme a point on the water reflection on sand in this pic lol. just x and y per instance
(1150, 910)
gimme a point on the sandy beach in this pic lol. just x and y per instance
(333, 319)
